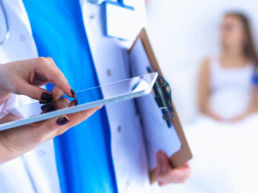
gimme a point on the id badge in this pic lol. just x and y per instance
(120, 20)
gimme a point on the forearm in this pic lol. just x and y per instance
(206, 110)
(8, 149)
(5, 153)
(205, 90)
(251, 110)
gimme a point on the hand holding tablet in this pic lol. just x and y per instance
(25, 127)
(25, 77)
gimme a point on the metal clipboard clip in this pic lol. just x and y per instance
(97, 1)
(163, 97)
(118, 3)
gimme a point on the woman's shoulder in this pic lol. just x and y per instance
(210, 64)
(208, 61)
(205, 65)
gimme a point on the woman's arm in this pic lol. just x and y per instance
(17, 141)
(253, 107)
(204, 91)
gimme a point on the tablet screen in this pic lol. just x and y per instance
(86, 99)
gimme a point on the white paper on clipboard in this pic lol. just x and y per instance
(157, 134)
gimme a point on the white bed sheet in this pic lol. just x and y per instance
(225, 157)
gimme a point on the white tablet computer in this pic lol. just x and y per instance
(86, 99)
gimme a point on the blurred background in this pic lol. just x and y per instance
(183, 33)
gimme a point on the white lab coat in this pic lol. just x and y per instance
(36, 170)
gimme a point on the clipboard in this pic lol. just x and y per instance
(184, 154)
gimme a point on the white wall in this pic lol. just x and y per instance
(182, 33)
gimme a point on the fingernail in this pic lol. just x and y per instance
(43, 102)
(73, 93)
(44, 107)
(62, 121)
(50, 109)
(46, 97)
(75, 102)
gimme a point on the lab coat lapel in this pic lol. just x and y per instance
(111, 63)
(35, 172)
(18, 8)
(20, 45)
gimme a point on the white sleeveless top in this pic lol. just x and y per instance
(231, 89)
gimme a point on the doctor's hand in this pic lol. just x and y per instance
(16, 141)
(24, 77)
(165, 174)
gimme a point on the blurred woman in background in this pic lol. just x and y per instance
(227, 92)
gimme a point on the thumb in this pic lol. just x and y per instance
(49, 129)
(26, 137)
(37, 93)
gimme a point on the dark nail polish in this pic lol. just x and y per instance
(73, 93)
(46, 97)
(42, 102)
(50, 109)
(44, 107)
(75, 102)
(62, 121)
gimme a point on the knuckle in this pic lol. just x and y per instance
(60, 79)
(167, 174)
(42, 61)
(51, 60)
